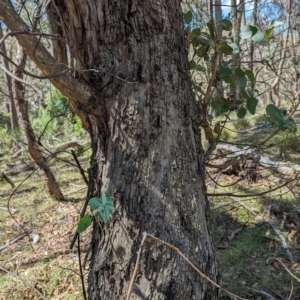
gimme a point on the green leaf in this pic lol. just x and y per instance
(211, 30)
(251, 105)
(202, 50)
(94, 203)
(274, 115)
(250, 75)
(84, 223)
(196, 31)
(192, 64)
(243, 93)
(235, 48)
(259, 38)
(268, 33)
(225, 71)
(238, 102)
(226, 49)
(239, 72)
(106, 208)
(226, 24)
(199, 68)
(188, 17)
(248, 31)
(61, 102)
(276, 23)
(228, 80)
(203, 40)
(243, 82)
(241, 112)
(291, 125)
(224, 108)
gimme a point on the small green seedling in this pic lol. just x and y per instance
(102, 207)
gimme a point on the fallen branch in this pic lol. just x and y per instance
(30, 165)
(280, 167)
(269, 297)
(13, 241)
(283, 242)
(154, 238)
(298, 279)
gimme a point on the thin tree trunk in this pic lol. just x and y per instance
(276, 82)
(254, 21)
(218, 18)
(33, 148)
(8, 83)
(236, 22)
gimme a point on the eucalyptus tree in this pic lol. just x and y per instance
(132, 91)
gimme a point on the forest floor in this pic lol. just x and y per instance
(249, 232)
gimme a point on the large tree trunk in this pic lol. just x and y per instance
(146, 150)
(143, 120)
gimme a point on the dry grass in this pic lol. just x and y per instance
(48, 265)
(246, 244)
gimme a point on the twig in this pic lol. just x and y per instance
(291, 293)
(22, 81)
(283, 242)
(250, 195)
(270, 297)
(85, 205)
(154, 238)
(81, 171)
(136, 266)
(80, 268)
(24, 281)
(244, 205)
(14, 240)
(298, 279)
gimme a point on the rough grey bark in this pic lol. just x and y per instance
(32, 145)
(143, 120)
(147, 153)
(59, 46)
(8, 83)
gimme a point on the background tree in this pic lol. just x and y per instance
(8, 83)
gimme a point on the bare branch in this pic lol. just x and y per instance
(21, 80)
(249, 195)
(76, 90)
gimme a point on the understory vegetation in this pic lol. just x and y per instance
(248, 231)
